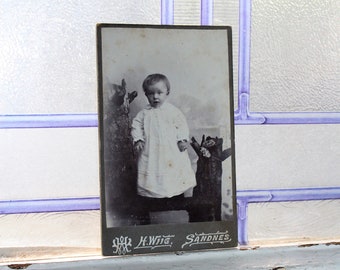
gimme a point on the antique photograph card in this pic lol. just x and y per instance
(166, 134)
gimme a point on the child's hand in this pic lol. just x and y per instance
(138, 147)
(182, 145)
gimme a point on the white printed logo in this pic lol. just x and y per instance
(155, 241)
(207, 238)
(121, 245)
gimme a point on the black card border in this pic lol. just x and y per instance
(181, 233)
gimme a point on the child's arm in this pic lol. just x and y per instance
(137, 133)
(182, 132)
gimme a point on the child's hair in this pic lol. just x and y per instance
(155, 78)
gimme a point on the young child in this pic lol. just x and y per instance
(161, 136)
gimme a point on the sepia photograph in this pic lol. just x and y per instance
(166, 136)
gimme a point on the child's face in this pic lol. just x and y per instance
(156, 94)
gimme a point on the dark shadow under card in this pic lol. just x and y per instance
(166, 134)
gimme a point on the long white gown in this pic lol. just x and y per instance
(163, 171)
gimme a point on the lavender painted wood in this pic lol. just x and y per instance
(48, 121)
(302, 118)
(242, 114)
(244, 46)
(242, 117)
(243, 198)
(206, 12)
(48, 205)
(167, 12)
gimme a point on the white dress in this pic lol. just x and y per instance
(163, 171)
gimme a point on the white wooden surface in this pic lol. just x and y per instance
(325, 257)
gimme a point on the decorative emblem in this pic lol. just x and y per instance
(121, 245)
